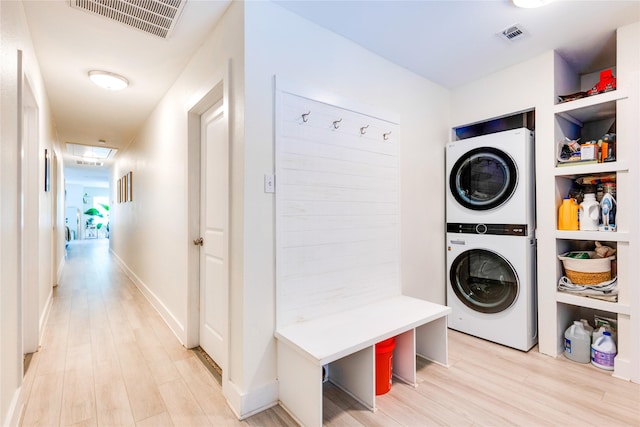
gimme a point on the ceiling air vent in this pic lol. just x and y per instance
(87, 163)
(513, 32)
(157, 17)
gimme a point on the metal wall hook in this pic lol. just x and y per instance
(305, 117)
(336, 124)
(363, 129)
(385, 135)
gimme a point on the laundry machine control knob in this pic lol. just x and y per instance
(481, 228)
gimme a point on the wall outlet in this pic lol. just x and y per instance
(269, 183)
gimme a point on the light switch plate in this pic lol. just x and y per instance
(269, 183)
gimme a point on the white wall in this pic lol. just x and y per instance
(150, 235)
(14, 35)
(283, 44)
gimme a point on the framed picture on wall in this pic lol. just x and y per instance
(47, 170)
(125, 188)
(119, 191)
(130, 185)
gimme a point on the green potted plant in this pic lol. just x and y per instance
(92, 213)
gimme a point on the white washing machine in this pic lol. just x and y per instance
(490, 179)
(491, 286)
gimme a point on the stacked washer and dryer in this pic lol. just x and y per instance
(491, 247)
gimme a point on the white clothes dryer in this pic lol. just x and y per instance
(490, 179)
(491, 286)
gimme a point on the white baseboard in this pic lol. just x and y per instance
(44, 316)
(243, 404)
(15, 409)
(246, 404)
(174, 324)
(63, 261)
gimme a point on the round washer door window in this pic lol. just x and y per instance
(484, 178)
(484, 281)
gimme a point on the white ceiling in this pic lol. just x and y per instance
(70, 42)
(448, 42)
(455, 42)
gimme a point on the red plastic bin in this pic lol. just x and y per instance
(384, 365)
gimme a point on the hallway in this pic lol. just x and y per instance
(107, 358)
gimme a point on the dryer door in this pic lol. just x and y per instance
(483, 178)
(484, 281)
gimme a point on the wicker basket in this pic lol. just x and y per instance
(587, 271)
(587, 278)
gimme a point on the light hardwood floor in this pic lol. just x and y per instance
(108, 359)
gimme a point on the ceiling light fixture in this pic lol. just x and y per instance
(530, 4)
(107, 80)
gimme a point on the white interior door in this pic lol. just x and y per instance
(214, 226)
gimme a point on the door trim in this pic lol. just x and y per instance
(29, 187)
(220, 90)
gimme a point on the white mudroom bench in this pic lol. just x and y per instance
(346, 342)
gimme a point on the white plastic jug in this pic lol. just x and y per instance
(577, 343)
(597, 333)
(589, 213)
(603, 352)
(587, 327)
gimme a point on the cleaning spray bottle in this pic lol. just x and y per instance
(608, 210)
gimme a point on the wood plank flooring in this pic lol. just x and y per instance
(108, 359)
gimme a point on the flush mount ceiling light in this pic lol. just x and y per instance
(530, 4)
(107, 80)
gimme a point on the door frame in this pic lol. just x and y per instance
(29, 187)
(219, 91)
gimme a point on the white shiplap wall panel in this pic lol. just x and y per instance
(337, 208)
(303, 177)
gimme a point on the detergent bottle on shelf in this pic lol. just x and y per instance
(577, 343)
(568, 215)
(607, 207)
(603, 352)
(589, 213)
(597, 333)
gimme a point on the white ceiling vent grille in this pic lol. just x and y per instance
(88, 163)
(513, 32)
(157, 17)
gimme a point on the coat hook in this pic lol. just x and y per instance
(385, 135)
(305, 117)
(363, 129)
(336, 124)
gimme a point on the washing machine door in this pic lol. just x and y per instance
(483, 178)
(484, 281)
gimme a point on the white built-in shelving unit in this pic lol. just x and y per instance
(589, 118)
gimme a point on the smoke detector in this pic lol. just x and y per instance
(513, 32)
(157, 17)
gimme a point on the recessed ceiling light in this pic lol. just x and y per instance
(530, 4)
(107, 80)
